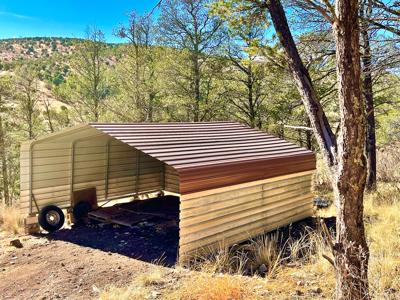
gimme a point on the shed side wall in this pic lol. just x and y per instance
(51, 170)
(171, 180)
(235, 213)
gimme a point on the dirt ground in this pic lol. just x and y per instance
(79, 262)
(76, 263)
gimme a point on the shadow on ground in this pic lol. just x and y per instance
(153, 241)
(156, 240)
(298, 229)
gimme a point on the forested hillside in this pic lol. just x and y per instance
(184, 65)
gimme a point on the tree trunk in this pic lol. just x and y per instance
(4, 169)
(48, 115)
(370, 144)
(309, 136)
(347, 163)
(150, 110)
(30, 116)
(252, 112)
(351, 252)
(196, 87)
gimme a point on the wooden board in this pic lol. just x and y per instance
(115, 215)
(132, 213)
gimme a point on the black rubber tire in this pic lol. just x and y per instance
(51, 211)
(81, 210)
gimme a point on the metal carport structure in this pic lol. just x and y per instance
(234, 181)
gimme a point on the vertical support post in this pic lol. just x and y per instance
(162, 179)
(71, 181)
(137, 174)
(30, 176)
(107, 170)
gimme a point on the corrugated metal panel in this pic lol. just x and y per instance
(232, 214)
(213, 154)
(51, 171)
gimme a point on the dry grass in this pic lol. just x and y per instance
(205, 286)
(10, 219)
(143, 287)
(382, 212)
(154, 278)
(130, 292)
(224, 260)
(388, 163)
(264, 251)
(243, 259)
(321, 179)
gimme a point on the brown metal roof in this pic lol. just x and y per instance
(214, 149)
(187, 145)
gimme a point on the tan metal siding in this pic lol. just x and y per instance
(24, 169)
(235, 213)
(51, 169)
(171, 180)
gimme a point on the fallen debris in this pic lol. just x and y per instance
(16, 243)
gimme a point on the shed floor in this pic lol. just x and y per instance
(153, 238)
(132, 213)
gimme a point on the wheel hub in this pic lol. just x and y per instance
(52, 217)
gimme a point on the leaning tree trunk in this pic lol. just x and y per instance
(351, 250)
(346, 161)
(323, 132)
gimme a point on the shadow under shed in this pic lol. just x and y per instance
(153, 239)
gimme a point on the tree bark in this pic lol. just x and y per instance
(309, 136)
(346, 161)
(250, 100)
(351, 253)
(196, 83)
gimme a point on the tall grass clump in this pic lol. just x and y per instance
(10, 219)
(388, 163)
(223, 260)
(245, 259)
(382, 211)
(322, 183)
(265, 252)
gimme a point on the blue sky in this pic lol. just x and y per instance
(68, 18)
